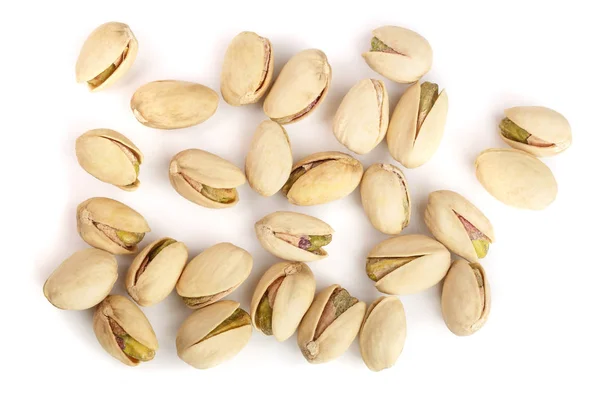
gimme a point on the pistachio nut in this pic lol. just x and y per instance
(407, 264)
(537, 130)
(281, 299)
(269, 160)
(110, 157)
(213, 274)
(330, 325)
(107, 54)
(110, 225)
(383, 333)
(154, 272)
(399, 54)
(205, 179)
(247, 69)
(516, 178)
(322, 177)
(466, 298)
(213, 334)
(417, 124)
(458, 224)
(361, 121)
(300, 87)
(82, 280)
(124, 331)
(294, 236)
(173, 104)
(385, 198)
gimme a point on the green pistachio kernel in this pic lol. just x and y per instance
(238, 319)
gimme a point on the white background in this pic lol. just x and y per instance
(542, 335)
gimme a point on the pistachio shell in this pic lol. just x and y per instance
(516, 178)
(383, 333)
(173, 104)
(269, 160)
(82, 280)
(247, 69)
(385, 198)
(300, 87)
(361, 121)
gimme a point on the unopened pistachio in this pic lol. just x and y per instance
(124, 331)
(205, 179)
(173, 104)
(106, 55)
(300, 87)
(466, 298)
(330, 325)
(213, 334)
(110, 157)
(82, 280)
(110, 225)
(247, 69)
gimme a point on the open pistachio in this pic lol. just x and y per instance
(407, 264)
(466, 298)
(106, 55)
(247, 69)
(383, 333)
(361, 121)
(385, 198)
(322, 177)
(213, 334)
(213, 274)
(458, 224)
(417, 124)
(537, 130)
(110, 225)
(294, 236)
(154, 272)
(516, 178)
(300, 87)
(124, 331)
(330, 325)
(399, 54)
(205, 179)
(82, 280)
(110, 157)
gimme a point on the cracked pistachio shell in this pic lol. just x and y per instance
(214, 273)
(466, 298)
(247, 69)
(206, 169)
(300, 87)
(82, 280)
(110, 157)
(293, 297)
(269, 160)
(385, 198)
(542, 123)
(154, 272)
(295, 224)
(412, 147)
(429, 266)
(173, 104)
(383, 333)
(114, 214)
(199, 352)
(133, 321)
(109, 50)
(516, 178)
(442, 220)
(337, 337)
(407, 55)
(361, 121)
(335, 175)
